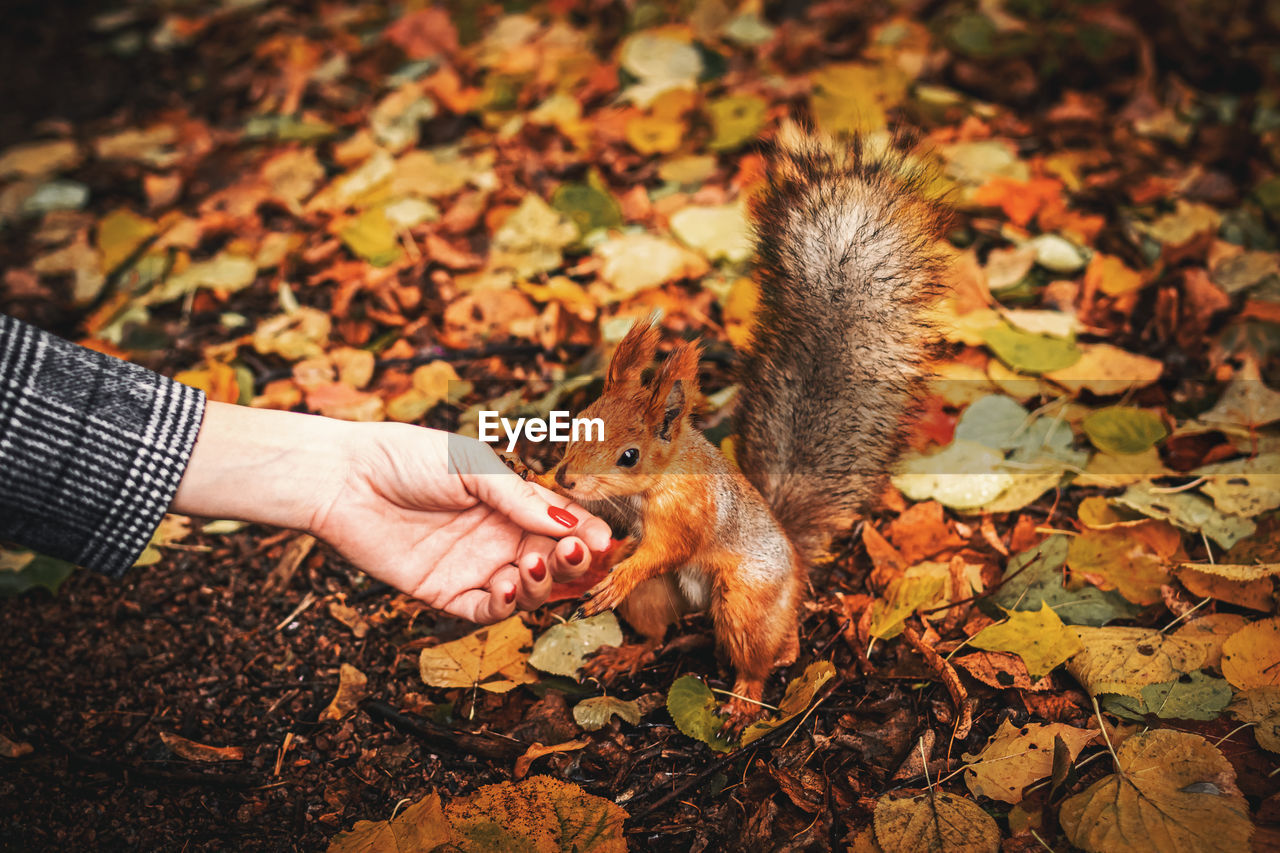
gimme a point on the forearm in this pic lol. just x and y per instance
(264, 466)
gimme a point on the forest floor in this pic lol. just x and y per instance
(379, 210)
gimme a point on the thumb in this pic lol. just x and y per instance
(488, 479)
(519, 501)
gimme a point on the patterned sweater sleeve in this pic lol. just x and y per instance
(91, 448)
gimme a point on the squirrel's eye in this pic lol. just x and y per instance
(629, 458)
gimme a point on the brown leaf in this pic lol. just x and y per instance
(351, 690)
(192, 751)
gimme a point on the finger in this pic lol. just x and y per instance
(594, 531)
(524, 504)
(535, 580)
(495, 602)
(570, 559)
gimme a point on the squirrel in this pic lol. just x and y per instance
(848, 261)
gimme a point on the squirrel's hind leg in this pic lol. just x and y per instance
(756, 627)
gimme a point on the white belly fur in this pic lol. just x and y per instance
(696, 587)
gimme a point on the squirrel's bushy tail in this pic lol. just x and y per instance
(848, 263)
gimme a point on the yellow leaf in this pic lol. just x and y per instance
(934, 821)
(218, 381)
(120, 234)
(351, 689)
(1109, 274)
(493, 658)
(655, 134)
(718, 232)
(906, 595)
(740, 310)
(541, 815)
(1016, 757)
(420, 827)
(1251, 656)
(1260, 706)
(1036, 636)
(1107, 370)
(1172, 791)
(1135, 560)
(800, 693)
(854, 97)
(1124, 660)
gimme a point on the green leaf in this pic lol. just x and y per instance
(1194, 696)
(693, 708)
(994, 421)
(1035, 577)
(588, 206)
(1030, 353)
(563, 648)
(23, 570)
(1124, 429)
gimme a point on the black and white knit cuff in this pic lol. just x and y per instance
(91, 448)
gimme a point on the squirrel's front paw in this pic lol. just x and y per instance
(741, 713)
(601, 597)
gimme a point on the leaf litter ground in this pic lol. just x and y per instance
(385, 211)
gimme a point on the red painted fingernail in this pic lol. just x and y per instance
(575, 556)
(539, 570)
(511, 596)
(562, 516)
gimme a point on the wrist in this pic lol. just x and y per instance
(264, 466)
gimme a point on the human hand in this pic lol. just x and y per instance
(432, 514)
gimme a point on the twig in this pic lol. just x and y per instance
(445, 739)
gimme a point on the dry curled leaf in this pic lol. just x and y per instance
(1016, 757)
(352, 688)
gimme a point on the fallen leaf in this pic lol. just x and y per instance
(1260, 706)
(350, 617)
(494, 658)
(538, 814)
(800, 692)
(1132, 560)
(1124, 660)
(719, 233)
(595, 712)
(1188, 511)
(633, 263)
(1247, 586)
(1110, 275)
(1106, 370)
(121, 233)
(1212, 630)
(1030, 353)
(735, 121)
(562, 649)
(1194, 696)
(965, 475)
(1247, 401)
(1124, 429)
(420, 827)
(1172, 791)
(537, 750)
(37, 159)
(1037, 576)
(1016, 757)
(1002, 670)
(934, 821)
(1251, 656)
(1245, 487)
(693, 709)
(532, 238)
(1038, 637)
(352, 688)
(193, 751)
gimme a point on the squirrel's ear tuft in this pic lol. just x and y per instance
(633, 354)
(675, 388)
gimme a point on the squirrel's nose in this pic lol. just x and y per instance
(562, 477)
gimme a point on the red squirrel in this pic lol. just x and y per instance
(848, 260)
